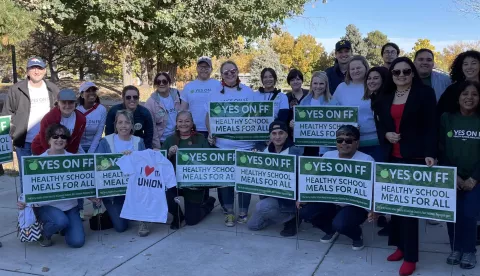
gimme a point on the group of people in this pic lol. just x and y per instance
(407, 113)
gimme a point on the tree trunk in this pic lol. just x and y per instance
(150, 70)
(53, 70)
(169, 67)
(81, 73)
(127, 70)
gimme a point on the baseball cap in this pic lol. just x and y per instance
(86, 85)
(277, 125)
(36, 61)
(66, 95)
(343, 44)
(205, 59)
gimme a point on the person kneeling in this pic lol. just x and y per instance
(272, 210)
(59, 216)
(335, 219)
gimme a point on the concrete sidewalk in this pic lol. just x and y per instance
(211, 248)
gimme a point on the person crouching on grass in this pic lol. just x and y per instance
(59, 216)
(335, 219)
(272, 210)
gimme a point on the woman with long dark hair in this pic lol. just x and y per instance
(408, 135)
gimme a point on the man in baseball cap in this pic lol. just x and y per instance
(336, 73)
(28, 102)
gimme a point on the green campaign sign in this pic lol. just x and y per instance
(6, 150)
(246, 121)
(317, 125)
(109, 179)
(58, 177)
(205, 167)
(266, 174)
(416, 191)
(343, 181)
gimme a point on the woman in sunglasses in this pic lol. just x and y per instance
(143, 123)
(459, 147)
(163, 105)
(351, 93)
(59, 216)
(122, 141)
(231, 90)
(408, 135)
(465, 67)
(63, 113)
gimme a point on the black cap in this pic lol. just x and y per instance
(343, 44)
(277, 125)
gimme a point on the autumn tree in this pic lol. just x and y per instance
(283, 45)
(266, 57)
(374, 43)
(355, 37)
(450, 52)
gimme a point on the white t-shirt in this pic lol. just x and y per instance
(280, 102)
(69, 122)
(357, 156)
(63, 205)
(121, 145)
(39, 106)
(150, 175)
(94, 128)
(169, 105)
(233, 95)
(195, 93)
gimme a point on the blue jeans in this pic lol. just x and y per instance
(268, 212)
(55, 220)
(25, 151)
(463, 233)
(344, 220)
(228, 196)
(373, 151)
(114, 207)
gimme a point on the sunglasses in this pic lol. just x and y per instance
(163, 81)
(62, 136)
(130, 97)
(347, 141)
(229, 72)
(406, 72)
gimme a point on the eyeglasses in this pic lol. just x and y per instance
(347, 141)
(62, 136)
(135, 98)
(162, 81)
(230, 72)
(406, 72)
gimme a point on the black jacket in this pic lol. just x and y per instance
(18, 106)
(418, 127)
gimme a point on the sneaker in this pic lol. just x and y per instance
(45, 242)
(82, 215)
(454, 258)
(328, 238)
(468, 261)
(143, 230)
(242, 218)
(289, 228)
(230, 220)
(382, 221)
(358, 245)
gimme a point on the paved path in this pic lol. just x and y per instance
(210, 248)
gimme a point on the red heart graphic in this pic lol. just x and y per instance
(149, 170)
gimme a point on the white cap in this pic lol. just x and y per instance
(84, 86)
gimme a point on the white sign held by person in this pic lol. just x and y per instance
(336, 181)
(416, 191)
(58, 177)
(6, 150)
(266, 174)
(317, 125)
(246, 121)
(205, 167)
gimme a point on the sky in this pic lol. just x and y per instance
(403, 21)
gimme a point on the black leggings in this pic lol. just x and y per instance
(195, 210)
